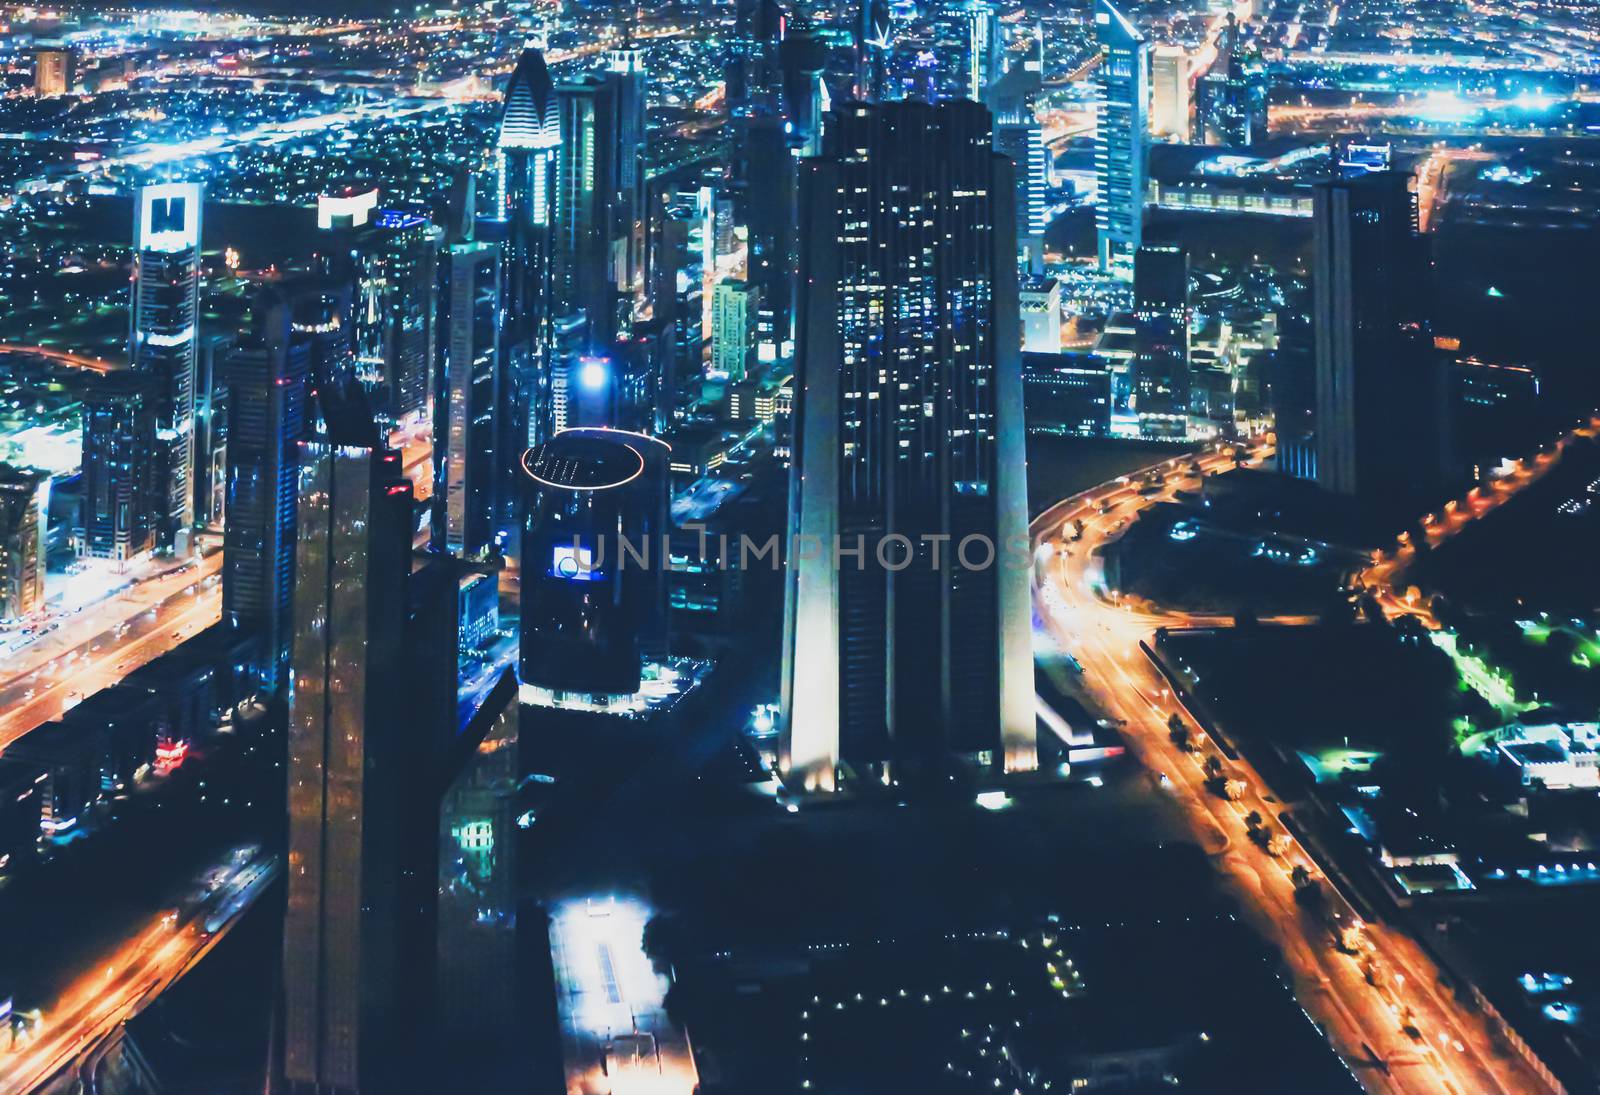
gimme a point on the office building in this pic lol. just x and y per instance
(1160, 371)
(163, 341)
(268, 379)
(1067, 394)
(1171, 104)
(733, 328)
(1019, 136)
(1381, 401)
(768, 199)
(908, 427)
(528, 149)
(803, 56)
(120, 495)
(600, 200)
(593, 595)
(466, 431)
(873, 37)
(1231, 98)
(385, 261)
(24, 501)
(341, 966)
(53, 71)
(211, 430)
(1121, 133)
(978, 25)
(1040, 303)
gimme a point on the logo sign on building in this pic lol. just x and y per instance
(169, 217)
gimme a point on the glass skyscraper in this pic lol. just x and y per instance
(163, 341)
(1120, 136)
(908, 444)
(340, 966)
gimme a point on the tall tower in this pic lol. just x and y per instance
(1380, 397)
(585, 200)
(268, 381)
(341, 971)
(985, 47)
(907, 445)
(119, 486)
(1120, 137)
(467, 434)
(162, 341)
(874, 35)
(528, 150)
(1161, 340)
(625, 70)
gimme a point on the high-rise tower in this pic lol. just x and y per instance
(341, 969)
(1381, 405)
(268, 379)
(163, 341)
(908, 455)
(1120, 136)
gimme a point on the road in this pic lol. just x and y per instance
(1386, 577)
(86, 653)
(126, 980)
(1452, 1051)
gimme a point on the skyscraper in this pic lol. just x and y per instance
(467, 433)
(1169, 73)
(340, 966)
(874, 37)
(733, 327)
(528, 150)
(625, 70)
(268, 378)
(1019, 136)
(586, 202)
(1381, 396)
(1120, 136)
(907, 444)
(119, 486)
(1231, 98)
(590, 612)
(163, 338)
(23, 504)
(1161, 340)
(980, 31)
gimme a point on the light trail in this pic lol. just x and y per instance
(1365, 1023)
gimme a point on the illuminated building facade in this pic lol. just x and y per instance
(163, 341)
(1120, 136)
(591, 611)
(24, 494)
(1161, 340)
(600, 194)
(908, 428)
(1039, 298)
(1019, 136)
(341, 968)
(53, 71)
(1231, 98)
(1381, 401)
(1171, 95)
(733, 328)
(269, 378)
(527, 149)
(466, 431)
(119, 487)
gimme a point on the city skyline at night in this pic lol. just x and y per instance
(936, 546)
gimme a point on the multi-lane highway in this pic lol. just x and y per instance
(1380, 1004)
(127, 978)
(96, 648)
